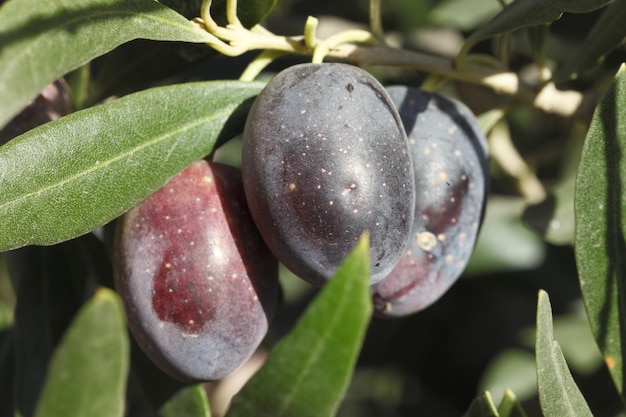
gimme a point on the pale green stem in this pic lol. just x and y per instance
(231, 13)
(310, 32)
(259, 63)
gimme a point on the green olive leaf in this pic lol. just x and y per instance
(524, 13)
(72, 175)
(88, 372)
(482, 406)
(607, 34)
(190, 401)
(559, 395)
(308, 372)
(600, 210)
(510, 406)
(53, 282)
(43, 40)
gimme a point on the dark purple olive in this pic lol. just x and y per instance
(325, 158)
(450, 161)
(198, 283)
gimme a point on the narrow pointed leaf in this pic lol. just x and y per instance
(87, 375)
(559, 395)
(308, 372)
(510, 406)
(41, 40)
(52, 281)
(482, 406)
(524, 13)
(72, 175)
(188, 402)
(600, 209)
(608, 34)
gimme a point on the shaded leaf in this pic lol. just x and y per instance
(43, 40)
(87, 375)
(463, 14)
(482, 406)
(72, 175)
(600, 209)
(559, 395)
(53, 284)
(188, 402)
(135, 65)
(607, 34)
(524, 13)
(308, 372)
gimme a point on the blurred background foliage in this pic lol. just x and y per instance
(480, 335)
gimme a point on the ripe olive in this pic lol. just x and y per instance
(325, 158)
(198, 283)
(450, 161)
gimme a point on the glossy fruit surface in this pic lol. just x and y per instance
(198, 283)
(450, 162)
(325, 158)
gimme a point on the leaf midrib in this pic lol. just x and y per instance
(102, 165)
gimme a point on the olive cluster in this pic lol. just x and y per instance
(328, 153)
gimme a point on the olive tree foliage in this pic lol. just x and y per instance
(145, 88)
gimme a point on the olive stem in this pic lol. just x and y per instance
(504, 153)
(310, 32)
(361, 48)
(259, 63)
(376, 21)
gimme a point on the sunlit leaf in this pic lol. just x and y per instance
(88, 372)
(44, 39)
(72, 175)
(600, 208)
(308, 372)
(559, 395)
(509, 406)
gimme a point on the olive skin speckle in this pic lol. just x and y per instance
(324, 158)
(198, 283)
(450, 161)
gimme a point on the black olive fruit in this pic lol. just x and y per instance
(450, 161)
(325, 158)
(198, 283)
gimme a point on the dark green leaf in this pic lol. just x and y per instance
(600, 209)
(308, 372)
(53, 284)
(72, 175)
(482, 406)
(87, 375)
(559, 395)
(136, 64)
(523, 13)
(43, 40)
(608, 33)
(510, 406)
(249, 12)
(188, 402)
